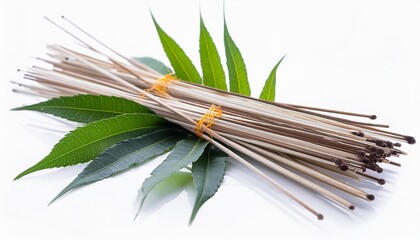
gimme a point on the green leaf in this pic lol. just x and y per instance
(155, 65)
(87, 108)
(85, 143)
(213, 73)
(124, 155)
(269, 91)
(208, 172)
(182, 64)
(238, 77)
(185, 152)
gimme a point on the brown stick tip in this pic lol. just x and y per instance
(344, 167)
(320, 217)
(359, 134)
(351, 207)
(361, 153)
(370, 197)
(381, 181)
(338, 161)
(373, 117)
(410, 139)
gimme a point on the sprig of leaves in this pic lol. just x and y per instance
(120, 134)
(214, 76)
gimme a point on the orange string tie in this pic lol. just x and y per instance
(208, 118)
(161, 85)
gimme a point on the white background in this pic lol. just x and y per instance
(359, 56)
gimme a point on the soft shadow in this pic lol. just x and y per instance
(165, 192)
(278, 199)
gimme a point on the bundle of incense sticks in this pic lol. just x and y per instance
(299, 142)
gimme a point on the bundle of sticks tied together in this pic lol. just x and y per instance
(301, 143)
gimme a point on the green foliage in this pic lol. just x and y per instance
(269, 91)
(185, 152)
(86, 108)
(85, 143)
(238, 77)
(120, 133)
(182, 64)
(155, 65)
(208, 172)
(124, 155)
(213, 73)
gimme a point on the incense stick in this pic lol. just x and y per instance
(299, 142)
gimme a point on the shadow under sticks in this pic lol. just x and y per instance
(294, 211)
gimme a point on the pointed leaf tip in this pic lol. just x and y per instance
(85, 143)
(185, 152)
(269, 91)
(213, 73)
(238, 76)
(123, 156)
(181, 63)
(208, 172)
